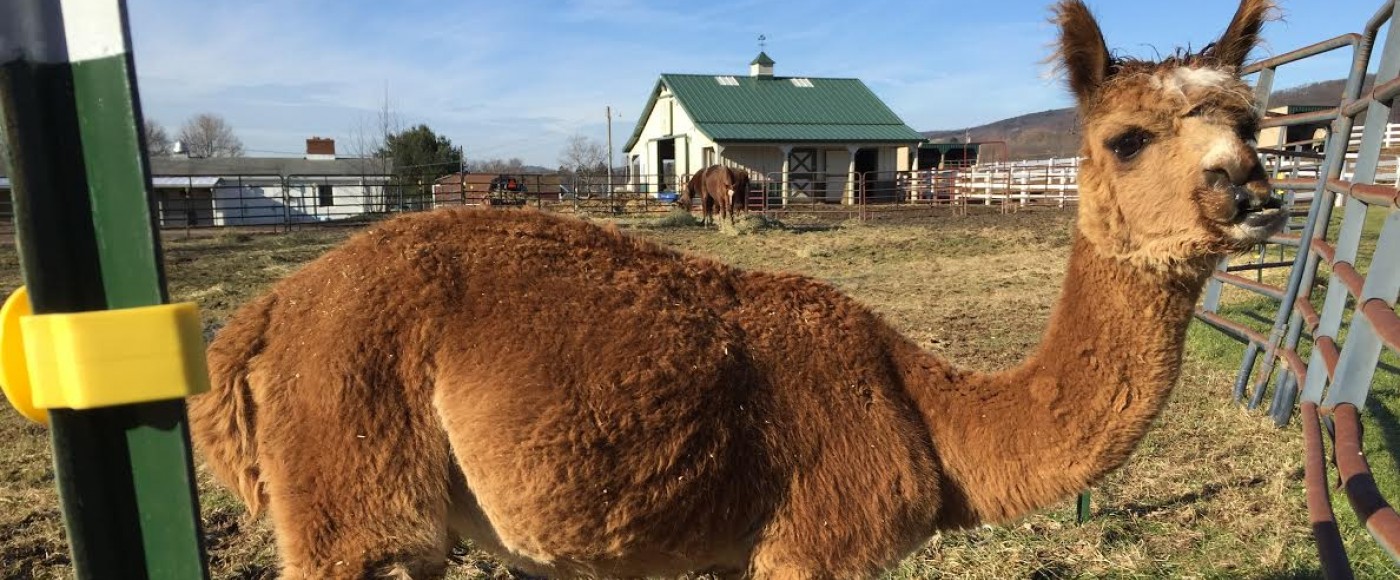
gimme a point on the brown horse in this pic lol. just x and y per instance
(719, 187)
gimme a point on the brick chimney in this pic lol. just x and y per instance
(320, 148)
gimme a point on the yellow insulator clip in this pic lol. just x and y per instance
(102, 358)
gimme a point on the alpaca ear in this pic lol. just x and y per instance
(1242, 34)
(1083, 53)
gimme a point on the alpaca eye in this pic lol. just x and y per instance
(1129, 144)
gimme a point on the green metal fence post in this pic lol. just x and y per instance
(87, 242)
(1083, 509)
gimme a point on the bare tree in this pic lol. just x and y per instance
(158, 142)
(583, 155)
(209, 135)
(368, 143)
(583, 162)
(497, 166)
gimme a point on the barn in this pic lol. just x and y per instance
(803, 136)
(1301, 137)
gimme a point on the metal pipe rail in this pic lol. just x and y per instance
(1331, 552)
(1325, 115)
(1368, 193)
(1360, 487)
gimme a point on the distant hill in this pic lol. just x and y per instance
(1054, 133)
(1037, 135)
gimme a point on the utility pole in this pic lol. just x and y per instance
(610, 151)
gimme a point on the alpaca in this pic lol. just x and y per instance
(478, 374)
(719, 187)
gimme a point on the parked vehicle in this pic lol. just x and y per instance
(505, 182)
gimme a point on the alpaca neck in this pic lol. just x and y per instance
(1019, 440)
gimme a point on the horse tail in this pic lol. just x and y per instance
(223, 421)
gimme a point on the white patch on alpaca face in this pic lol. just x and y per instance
(1178, 80)
(1221, 156)
(1201, 77)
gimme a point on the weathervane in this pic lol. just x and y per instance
(762, 42)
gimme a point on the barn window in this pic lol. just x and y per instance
(325, 197)
(727, 81)
(804, 83)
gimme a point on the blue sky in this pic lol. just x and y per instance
(517, 78)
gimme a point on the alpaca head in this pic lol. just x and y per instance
(1170, 173)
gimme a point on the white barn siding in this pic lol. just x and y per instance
(667, 120)
(265, 202)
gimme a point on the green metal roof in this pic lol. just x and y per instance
(762, 59)
(782, 132)
(752, 109)
(1294, 109)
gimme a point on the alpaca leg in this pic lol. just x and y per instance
(368, 536)
(732, 205)
(793, 550)
(775, 559)
(781, 572)
(358, 502)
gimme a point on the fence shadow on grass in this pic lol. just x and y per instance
(1382, 415)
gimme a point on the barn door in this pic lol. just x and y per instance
(802, 172)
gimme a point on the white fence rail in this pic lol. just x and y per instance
(1056, 181)
(1030, 182)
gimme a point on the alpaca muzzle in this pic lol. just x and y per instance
(1249, 197)
(1255, 210)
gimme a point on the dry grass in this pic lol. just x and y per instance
(1213, 492)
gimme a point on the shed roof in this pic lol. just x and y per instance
(1292, 109)
(788, 109)
(192, 181)
(260, 166)
(266, 166)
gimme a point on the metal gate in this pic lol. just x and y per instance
(1356, 319)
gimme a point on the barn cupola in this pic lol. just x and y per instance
(762, 66)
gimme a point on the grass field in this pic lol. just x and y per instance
(1214, 491)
